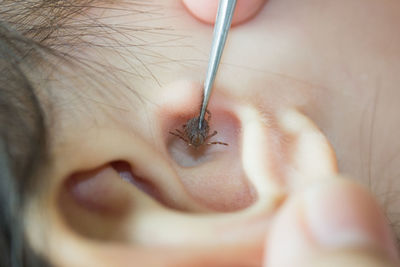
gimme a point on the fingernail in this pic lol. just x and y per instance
(340, 214)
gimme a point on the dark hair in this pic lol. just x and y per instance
(22, 146)
(32, 34)
(24, 28)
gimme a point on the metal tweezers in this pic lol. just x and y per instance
(221, 28)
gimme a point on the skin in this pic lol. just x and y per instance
(300, 82)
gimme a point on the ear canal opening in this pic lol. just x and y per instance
(104, 190)
(125, 172)
(98, 191)
(94, 202)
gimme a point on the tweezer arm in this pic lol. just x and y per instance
(221, 28)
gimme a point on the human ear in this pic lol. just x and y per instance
(123, 196)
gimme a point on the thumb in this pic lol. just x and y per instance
(337, 223)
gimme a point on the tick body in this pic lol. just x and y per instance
(195, 136)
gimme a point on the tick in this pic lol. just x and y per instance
(193, 136)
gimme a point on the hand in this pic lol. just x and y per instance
(336, 223)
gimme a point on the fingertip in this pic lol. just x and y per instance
(206, 10)
(334, 220)
(342, 214)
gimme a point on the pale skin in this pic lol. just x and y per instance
(305, 90)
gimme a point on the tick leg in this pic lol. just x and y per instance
(182, 134)
(181, 137)
(209, 115)
(211, 135)
(175, 134)
(217, 143)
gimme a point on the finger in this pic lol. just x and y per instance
(206, 10)
(335, 223)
